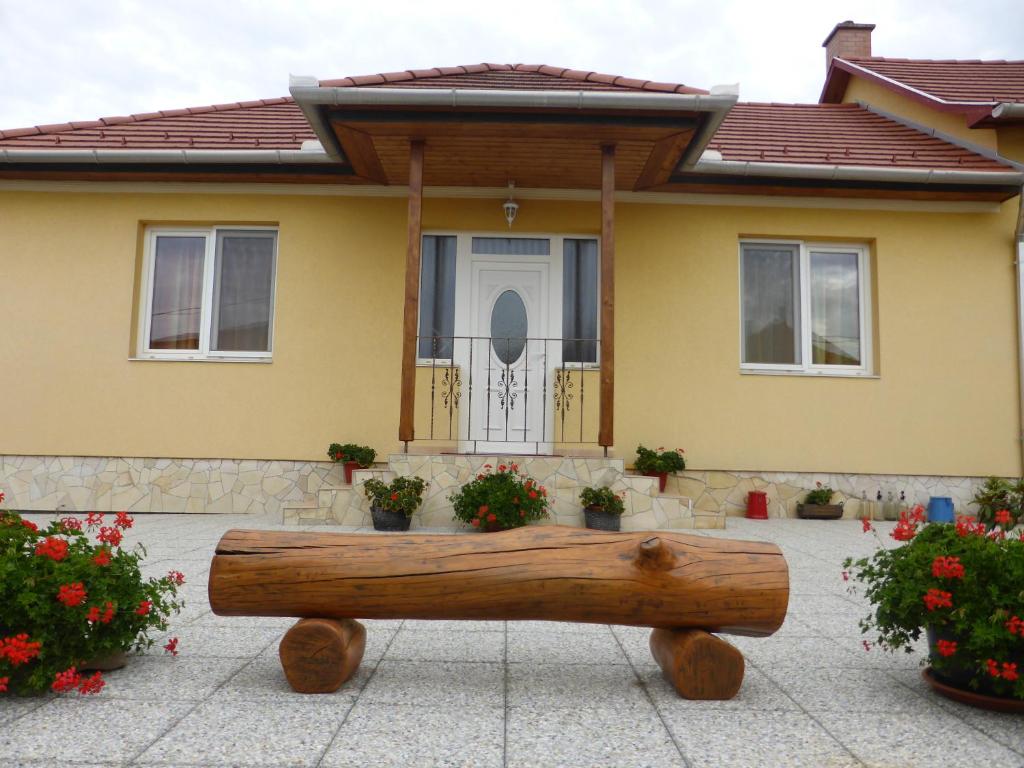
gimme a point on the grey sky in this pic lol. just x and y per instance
(64, 60)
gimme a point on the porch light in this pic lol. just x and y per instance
(511, 206)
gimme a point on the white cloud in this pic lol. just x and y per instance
(75, 60)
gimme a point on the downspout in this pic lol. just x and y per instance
(1018, 244)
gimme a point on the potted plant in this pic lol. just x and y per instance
(817, 505)
(999, 495)
(602, 508)
(659, 463)
(69, 604)
(352, 457)
(960, 585)
(393, 504)
(499, 500)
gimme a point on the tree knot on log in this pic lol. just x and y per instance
(653, 554)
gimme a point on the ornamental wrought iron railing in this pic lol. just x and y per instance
(531, 392)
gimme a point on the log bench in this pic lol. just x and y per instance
(683, 586)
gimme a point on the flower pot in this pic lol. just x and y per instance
(389, 520)
(601, 520)
(349, 466)
(819, 511)
(662, 479)
(108, 663)
(494, 527)
(954, 679)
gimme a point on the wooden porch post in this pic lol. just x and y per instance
(605, 434)
(406, 430)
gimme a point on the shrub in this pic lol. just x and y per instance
(500, 499)
(963, 582)
(65, 600)
(403, 494)
(659, 460)
(997, 495)
(820, 496)
(363, 455)
(605, 498)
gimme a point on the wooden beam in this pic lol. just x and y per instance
(360, 153)
(606, 428)
(663, 161)
(406, 431)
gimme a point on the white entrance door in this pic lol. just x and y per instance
(512, 355)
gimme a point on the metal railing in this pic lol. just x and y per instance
(507, 389)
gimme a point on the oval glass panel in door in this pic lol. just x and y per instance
(508, 327)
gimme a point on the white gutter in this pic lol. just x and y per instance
(1008, 111)
(830, 172)
(1019, 264)
(177, 156)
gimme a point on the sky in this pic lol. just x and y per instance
(66, 60)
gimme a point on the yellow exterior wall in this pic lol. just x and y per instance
(1011, 142)
(886, 100)
(945, 402)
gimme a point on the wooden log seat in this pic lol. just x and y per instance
(683, 586)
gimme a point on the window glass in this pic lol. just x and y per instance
(509, 327)
(176, 308)
(437, 297)
(243, 291)
(771, 304)
(579, 301)
(512, 246)
(835, 309)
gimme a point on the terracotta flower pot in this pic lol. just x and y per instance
(389, 520)
(108, 663)
(349, 466)
(494, 527)
(662, 479)
(599, 519)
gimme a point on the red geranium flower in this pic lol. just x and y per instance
(124, 520)
(475, 522)
(947, 568)
(1009, 671)
(53, 548)
(1015, 625)
(866, 525)
(3, 680)
(532, 494)
(967, 526)
(502, 467)
(394, 497)
(846, 576)
(108, 613)
(1003, 517)
(72, 594)
(102, 557)
(176, 577)
(144, 606)
(93, 615)
(172, 646)
(94, 519)
(111, 536)
(93, 684)
(993, 667)
(483, 510)
(492, 517)
(30, 525)
(66, 680)
(946, 647)
(71, 523)
(936, 598)
(17, 649)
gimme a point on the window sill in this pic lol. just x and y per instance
(811, 374)
(183, 359)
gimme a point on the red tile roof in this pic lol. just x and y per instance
(835, 134)
(510, 77)
(989, 82)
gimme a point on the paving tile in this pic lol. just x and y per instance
(586, 737)
(565, 648)
(545, 627)
(849, 690)
(756, 740)
(758, 693)
(436, 683)
(156, 678)
(264, 678)
(220, 641)
(447, 646)
(432, 625)
(209, 619)
(801, 653)
(225, 731)
(115, 732)
(551, 686)
(938, 739)
(12, 708)
(398, 736)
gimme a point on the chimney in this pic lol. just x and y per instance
(847, 40)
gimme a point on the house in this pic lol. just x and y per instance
(460, 264)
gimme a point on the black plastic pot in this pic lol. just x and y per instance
(600, 520)
(389, 520)
(957, 674)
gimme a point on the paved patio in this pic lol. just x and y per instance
(511, 694)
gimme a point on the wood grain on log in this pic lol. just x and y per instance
(699, 665)
(554, 573)
(319, 655)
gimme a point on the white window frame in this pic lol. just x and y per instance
(206, 309)
(807, 368)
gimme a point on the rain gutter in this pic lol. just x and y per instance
(182, 156)
(1008, 111)
(1018, 262)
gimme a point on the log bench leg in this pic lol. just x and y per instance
(698, 664)
(318, 655)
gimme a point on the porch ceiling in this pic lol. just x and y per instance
(548, 149)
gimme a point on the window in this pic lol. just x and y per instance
(437, 297)
(804, 308)
(579, 301)
(209, 293)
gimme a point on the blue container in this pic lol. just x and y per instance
(940, 509)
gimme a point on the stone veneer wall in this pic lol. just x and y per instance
(75, 483)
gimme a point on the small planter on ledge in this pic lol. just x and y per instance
(659, 464)
(500, 500)
(393, 504)
(352, 457)
(602, 508)
(818, 506)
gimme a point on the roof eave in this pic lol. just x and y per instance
(164, 156)
(923, 97)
